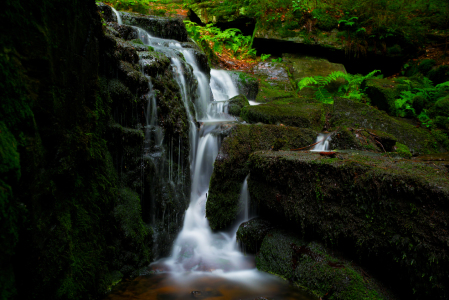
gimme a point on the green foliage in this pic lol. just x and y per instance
(279, 59)
(349, 89)
(416, 101)
(264, 57)
(231, 39)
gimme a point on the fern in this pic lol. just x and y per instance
(350, 89)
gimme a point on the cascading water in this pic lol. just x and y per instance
(202, 263)
(245, 199)
(323, 140)
(119, 19)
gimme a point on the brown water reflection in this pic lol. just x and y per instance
(166, 286)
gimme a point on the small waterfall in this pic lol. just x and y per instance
(153, 132)
(245, 199)
(204, 92)
(117, 14)
(323, 142)
(222, 86)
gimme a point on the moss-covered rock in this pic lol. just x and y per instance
(274, 81)
(236, 104)
(362, 139)
(392, 212)
(230, 168)
(301, 66)
(251, 234)
(403, 150)
(348, 113)
(382, 93)
(313, 268)
(296, 113)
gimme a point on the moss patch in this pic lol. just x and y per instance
(297, 113)
(311, 267)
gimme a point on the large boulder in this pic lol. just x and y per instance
(350, 114)
(392, 212)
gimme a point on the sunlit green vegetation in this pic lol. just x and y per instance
(230, 39)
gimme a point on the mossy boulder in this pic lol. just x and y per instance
(273, 80)
(301, 66)
(402, 150)
(230, 167)
(362, 139)
(348, 113)
(297, 113)
(391, 212)
(251, 234)
(236, 104)
(382, 93)
(310, 266)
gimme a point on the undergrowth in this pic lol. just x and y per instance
(349, 89)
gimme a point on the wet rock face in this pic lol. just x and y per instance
(391, 211)
(167, 28)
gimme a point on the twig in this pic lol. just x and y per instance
(307, 146)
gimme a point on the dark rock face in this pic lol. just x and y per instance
(76, 190)
(391, 212)
(167, 28)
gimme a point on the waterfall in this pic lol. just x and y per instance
(119, 19)
(245, 199)
(197, 251)
(323, 142)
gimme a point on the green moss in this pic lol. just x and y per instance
(251, 234)
(355, 115)
(304, 115)
(309, 265)
(325, 20)
(403, 150)
(382, 93)
(236, 104)
(137, 41)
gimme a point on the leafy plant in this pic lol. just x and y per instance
(279, 59)
(350, 89)
(405, 103)
(231, 39)
(264, 57)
